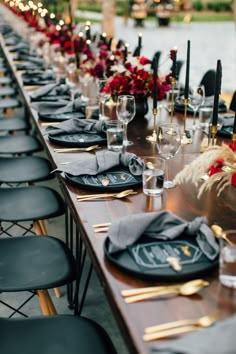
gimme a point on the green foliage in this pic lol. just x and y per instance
(198, 5)
(219, 6)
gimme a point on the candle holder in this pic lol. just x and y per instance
(186, 139)
(153, 137)
(213, 131)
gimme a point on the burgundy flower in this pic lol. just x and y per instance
(216, 167)
(233, 179)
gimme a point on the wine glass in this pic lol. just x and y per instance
(168, 144)
(103, 96)
(196, 99)
(125, 110)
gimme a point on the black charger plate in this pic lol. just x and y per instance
(78, 139)
(134, 259)
(60, 117)
(119, 179)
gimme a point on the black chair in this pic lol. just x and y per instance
(208, 81)
(25, 169)
(13, 124)
(19, 144)
(35, 264)
(54, 335)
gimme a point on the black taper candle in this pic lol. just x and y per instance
(217, 93)
(155, 91)
(174, 64)
(186, 88)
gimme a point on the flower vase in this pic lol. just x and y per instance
(141, 106)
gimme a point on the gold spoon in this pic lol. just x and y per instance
(179, 327)
(89, 148)
(186, 289)
(120, 195)
(219, 233)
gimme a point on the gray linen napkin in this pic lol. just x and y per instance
(103, 161)
(53, 89)
(161, 225)
(75, 125)
(62, 106)
(218, 339)
(38, 74)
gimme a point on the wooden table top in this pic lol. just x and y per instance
(181, 200)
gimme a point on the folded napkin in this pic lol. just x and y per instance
(54, 89)
(218, 339)
(38, 77)
(75, 125)
(61, 106)
(103, 161)
(161, 226)
(31, 58)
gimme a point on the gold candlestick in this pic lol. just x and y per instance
(153, 137)
(185, 139)
(234, 137)
(213, 131)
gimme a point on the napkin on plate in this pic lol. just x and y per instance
(161, 225)
(226, 123)
(38, 77)
(75, 125)
(218, 339)
(54, 89)
(209, 101)
(103, 161)
(45, 109)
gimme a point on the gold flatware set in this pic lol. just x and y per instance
(186, 289)
(101, 227)
(179, 327)
(120, 195)
(77, 149)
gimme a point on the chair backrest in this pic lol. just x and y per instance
(208, 81)
(232, 106)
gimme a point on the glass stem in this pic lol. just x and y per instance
(194, 116)
(103, 109)
(167, 170)
(125, 132)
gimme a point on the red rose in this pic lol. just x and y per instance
(233, 179)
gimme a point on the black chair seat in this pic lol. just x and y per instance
(9, 103)
(24, 169)
(3, 68)
(4, 80)
(30, 203)
(53, 335)
(7, 91)
(19, 144)
(13, 124)
(34, 262)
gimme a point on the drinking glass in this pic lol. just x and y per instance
(168, 144)
(125, 110)
(196, 100)
(103, 96)
(227, 271)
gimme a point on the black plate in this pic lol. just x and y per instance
(195, 265)
(119, 179)
(50, 98)
(60, 117)
(78, 139)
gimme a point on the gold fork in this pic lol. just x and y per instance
(178, 327)
(75, 149)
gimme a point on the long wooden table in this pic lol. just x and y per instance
(182, 200)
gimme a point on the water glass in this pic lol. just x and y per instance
(227, 272)
(153, 176)
(115, 135)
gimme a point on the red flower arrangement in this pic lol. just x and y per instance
(136, 78)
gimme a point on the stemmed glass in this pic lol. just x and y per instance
(168, 144)
(103, 96)
(125, 110)
(196, 99)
